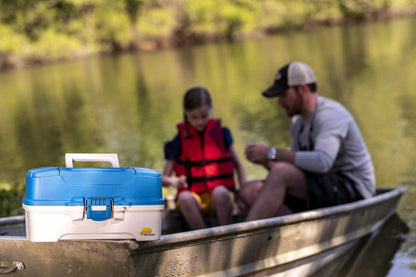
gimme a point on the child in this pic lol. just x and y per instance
(203, 159)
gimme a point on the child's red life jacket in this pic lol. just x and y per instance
(204, 159)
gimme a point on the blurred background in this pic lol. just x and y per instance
(103, 76)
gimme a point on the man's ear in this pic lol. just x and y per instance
(304, 89)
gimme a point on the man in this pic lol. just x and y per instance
(328, 163)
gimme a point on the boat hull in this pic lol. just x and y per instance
(295, 245)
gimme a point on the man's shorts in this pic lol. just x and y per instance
(324, 190)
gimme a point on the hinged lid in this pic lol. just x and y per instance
(57, 186)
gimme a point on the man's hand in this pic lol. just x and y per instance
(257, 153)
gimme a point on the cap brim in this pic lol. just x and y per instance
(273, 91)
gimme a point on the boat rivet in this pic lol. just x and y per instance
(19, 265)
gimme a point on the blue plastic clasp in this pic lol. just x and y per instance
(99, 209)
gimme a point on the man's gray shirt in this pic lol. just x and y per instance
(329, 140)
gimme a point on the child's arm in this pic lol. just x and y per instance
(241, 172)
(174, 181)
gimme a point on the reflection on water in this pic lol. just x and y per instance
(129, 104)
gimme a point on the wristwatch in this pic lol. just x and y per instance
(272, 155)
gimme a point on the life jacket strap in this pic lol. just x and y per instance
(191, 180)
(188, 163)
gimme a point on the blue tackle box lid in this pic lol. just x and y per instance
(62, 186)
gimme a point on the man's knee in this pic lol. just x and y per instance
(286, 172)
(281, 168)
(288, 176)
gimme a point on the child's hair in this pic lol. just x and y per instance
(194, 98)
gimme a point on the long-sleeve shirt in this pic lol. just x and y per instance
(329, 140)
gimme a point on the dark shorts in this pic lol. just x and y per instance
(324, 190)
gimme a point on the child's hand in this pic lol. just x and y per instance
(180, 182)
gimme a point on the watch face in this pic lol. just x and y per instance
(272, 154)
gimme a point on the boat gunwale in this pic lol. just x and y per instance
(215, 233)
(12, 220)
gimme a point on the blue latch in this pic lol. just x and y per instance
(99, 209)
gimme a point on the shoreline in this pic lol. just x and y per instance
(9, 62)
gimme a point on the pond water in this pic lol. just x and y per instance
(129, 104)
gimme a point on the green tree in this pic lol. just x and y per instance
(133, 8)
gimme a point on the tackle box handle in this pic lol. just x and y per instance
(87, 157)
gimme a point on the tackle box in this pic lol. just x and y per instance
(63, 203)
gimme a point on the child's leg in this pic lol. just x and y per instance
(191, 210)
(221, 205)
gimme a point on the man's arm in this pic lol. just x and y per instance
(330, 127)
(321, 159)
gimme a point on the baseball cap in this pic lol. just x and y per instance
(292, 74)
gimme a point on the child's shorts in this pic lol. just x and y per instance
(205, 199)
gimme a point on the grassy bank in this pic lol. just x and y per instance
(11, 196)
(38, 31)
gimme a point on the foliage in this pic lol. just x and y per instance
(11, 43)
(363, 8)
(132, 9)
(54, 45)
(323, 10)
(11, 199)
(157, 23)
(221, 16)
(112, 26)
(28, 28)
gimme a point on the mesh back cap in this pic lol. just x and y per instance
(292, 74)
(299, 74)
